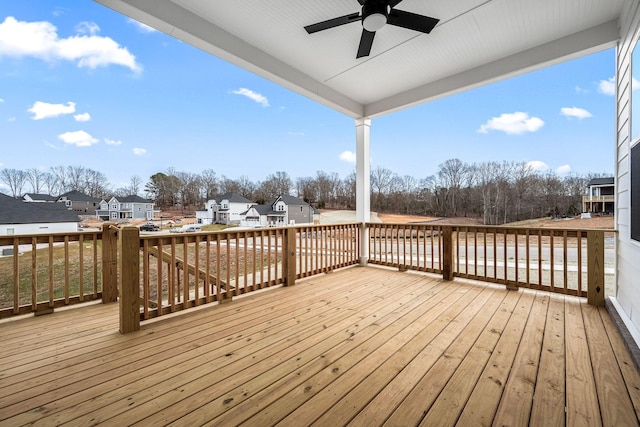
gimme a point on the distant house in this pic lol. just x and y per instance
(20, 217)
(601, 197)
(284, 210)
(225, 209)
(34, 197)
(80, 202)
(125, 208)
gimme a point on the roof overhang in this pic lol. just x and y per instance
(476, 42)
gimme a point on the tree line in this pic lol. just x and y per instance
(496, 192)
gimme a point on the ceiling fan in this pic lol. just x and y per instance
(374, 15)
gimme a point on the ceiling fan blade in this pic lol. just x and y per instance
(394, 3)
(412, 21)
(335, 22)
(366, 41)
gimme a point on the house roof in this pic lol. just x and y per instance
(40, 197)
(77, 196)
(13, 211)
(474, 43)
(602, 181)
(266, 210)
(132, 199)
(290, 200)
(233, 198)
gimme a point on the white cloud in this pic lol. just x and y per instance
(254, 96)
(607, 87)
(143, 28)
(296, 133)
(512, 124)
(112, 141)
(348, 156)
(43, 110)
(139, 151)
(82, 117)
(86, 27)
(1, 100)
(581, 90)
(40, 40)
(11, 119)
(78, 138)
(563, 170)
(579, 113)
(537, 166)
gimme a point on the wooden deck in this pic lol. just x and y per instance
(362, 346)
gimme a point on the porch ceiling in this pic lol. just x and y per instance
(475, 42)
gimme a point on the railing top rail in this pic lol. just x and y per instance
(493, 227)
(232, 232)
(57, 237)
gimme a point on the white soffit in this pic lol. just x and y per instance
(475, 42)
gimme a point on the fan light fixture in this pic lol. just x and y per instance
(374, 16)
(374, 22)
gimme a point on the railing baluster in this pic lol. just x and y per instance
(551, 261)
(81, 267)
(146, 259)
(564, 261)
(159, 291)
(579, 272)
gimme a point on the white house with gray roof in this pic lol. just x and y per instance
(20, 217)
(125, 209)
(284, 210)
(225, 209)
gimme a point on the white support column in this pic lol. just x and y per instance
(363, 185)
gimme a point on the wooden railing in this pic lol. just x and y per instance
(406, 246)
(162, 274)
(556, 260)
(43, 271)
(165, 273)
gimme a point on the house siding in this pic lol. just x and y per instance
(38, 228)
(628, 251)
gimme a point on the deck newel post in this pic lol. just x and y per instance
(109, 263)
(447, 252)
(595, 267)
(289, 241)
(129, 295)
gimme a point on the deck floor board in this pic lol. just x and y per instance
(361, 347)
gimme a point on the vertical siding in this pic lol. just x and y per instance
(628, 271)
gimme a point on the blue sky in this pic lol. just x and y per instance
(83, 85)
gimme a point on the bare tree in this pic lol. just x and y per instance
(35, 177)
(135, 185)
(14, 179)
(209, 182)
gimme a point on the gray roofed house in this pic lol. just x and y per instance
(80, 202)
(284, 210)
(35, 197)
(20, 217)
(224, 209)
(132, 207)
(600, 198)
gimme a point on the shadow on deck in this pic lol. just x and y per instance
(362, 346)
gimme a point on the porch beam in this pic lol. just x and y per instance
(363, 184)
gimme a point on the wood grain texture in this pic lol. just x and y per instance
(362, 346)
